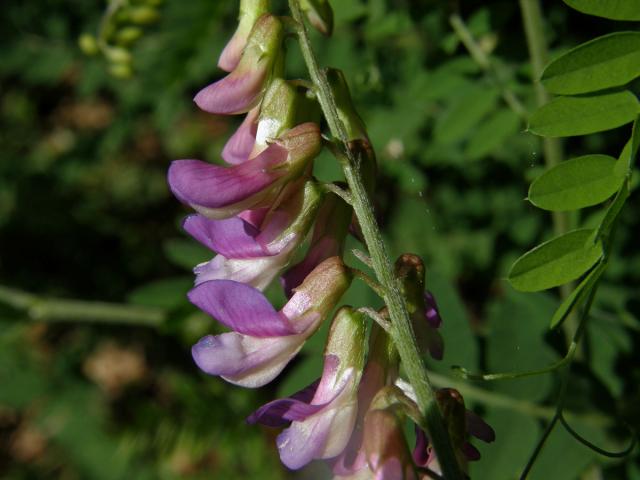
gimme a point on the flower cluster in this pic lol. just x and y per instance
(255, 213)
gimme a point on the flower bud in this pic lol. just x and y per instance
(121, 70)
(128, 35)
(88, 44)
(460, 423)
(320, 15)
(118, 55)
(250, 11)
(359, 141)
(143, 15)
(243, 88)
(420, 304)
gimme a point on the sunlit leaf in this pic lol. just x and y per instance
(577, 183)
(613, 9)
(568, 116)
(555, 262)
(608, 61)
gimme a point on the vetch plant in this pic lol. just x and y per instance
(255, 213)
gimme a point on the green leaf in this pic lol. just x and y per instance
(577, 183)
(555, 262)
(568, 116)
(577, 297)
(604, 62)
(626, 10)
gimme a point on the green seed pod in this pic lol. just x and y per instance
(119, 55)
(121, 70)
(143, 15)
(128, 35)
(88, 44)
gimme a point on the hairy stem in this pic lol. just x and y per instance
(402, 331)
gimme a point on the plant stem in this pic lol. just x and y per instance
(402, 332)
(52, 310)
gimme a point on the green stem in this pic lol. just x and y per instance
(402, 331)
(52, 310)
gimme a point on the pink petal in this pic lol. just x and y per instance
(238, 92)
(279, 413)
(232, 52)
(432, 313)
(258, 272)
(202, 184)
(239, 146)
(244, 360)
(231, 237)
(241, 308)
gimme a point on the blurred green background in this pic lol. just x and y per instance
(109, 391)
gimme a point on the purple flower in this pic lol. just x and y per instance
(255, 253)
(263, 340)
(421, 305)
(322, 422)
(242, 89)
(381, 370)
(461, 423)
(250, 11)
(222, 192)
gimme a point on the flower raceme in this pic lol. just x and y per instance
(255, 213)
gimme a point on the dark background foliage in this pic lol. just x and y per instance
(85, 214)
